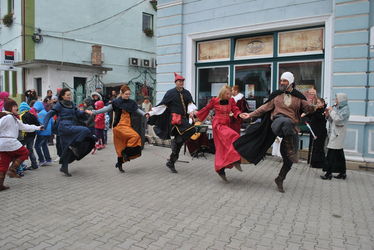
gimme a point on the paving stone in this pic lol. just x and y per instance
(147, 207)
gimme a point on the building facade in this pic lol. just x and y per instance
(327, 44)
(78, 44)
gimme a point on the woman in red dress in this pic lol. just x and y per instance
(224, 136)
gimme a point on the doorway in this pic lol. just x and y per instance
(79, 89)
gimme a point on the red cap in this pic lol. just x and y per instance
(178, 77)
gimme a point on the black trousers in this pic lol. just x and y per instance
(177, 143)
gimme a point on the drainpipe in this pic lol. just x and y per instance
(23, 10)
(370, 29)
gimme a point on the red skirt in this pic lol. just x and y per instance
(6, 157)
(224, 138)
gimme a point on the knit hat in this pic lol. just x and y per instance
(55, 98)
(288, 76)
(24, 107)
(8, 104)
(178, 77)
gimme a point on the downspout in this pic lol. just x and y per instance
(23, 48)
(371, 10)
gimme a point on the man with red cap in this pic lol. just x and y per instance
(176, 108)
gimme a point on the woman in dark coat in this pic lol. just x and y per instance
(76, 141)
(318, 124)
(126, 129)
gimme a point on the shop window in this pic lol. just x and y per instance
(254, 82)
(217, 50)
(254, 47)
(147, 21)
(299, 42)
(210, 81)
(307, 74)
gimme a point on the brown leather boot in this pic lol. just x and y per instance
(291, 148)
(12, 171)
(2, 178)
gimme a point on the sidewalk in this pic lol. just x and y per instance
(149, 207)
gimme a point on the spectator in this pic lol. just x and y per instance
(28, 138)
(31, 95)
(99, 125)
(48, 101)
(338, 116)
(146, 105)
(317, 146)
(3, 96)
(95, 96)
(41, 143)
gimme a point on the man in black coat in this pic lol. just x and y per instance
(280, 115)
(171, 117)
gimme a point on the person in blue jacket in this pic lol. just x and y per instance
(41, 142)
(76, 141)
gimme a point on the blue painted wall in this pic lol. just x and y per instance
(352, 62)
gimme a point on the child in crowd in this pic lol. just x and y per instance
(99, 125)
(28, 138)
(41, 142)
(11, 150)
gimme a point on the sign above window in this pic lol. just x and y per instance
(301, 42)
(254, 47)
(217, 50)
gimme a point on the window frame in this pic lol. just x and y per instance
(151, 21)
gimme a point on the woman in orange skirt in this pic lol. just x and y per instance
(127, 141)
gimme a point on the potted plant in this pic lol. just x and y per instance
(154, 4)
(148, 32)
(8, 19)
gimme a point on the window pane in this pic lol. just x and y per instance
(301, 42)
(254, 47)
(254, 82)
(307, 75)
(210, 81)
(214, 50)
(147, 21)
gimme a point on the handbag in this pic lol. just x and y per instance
(176, 119)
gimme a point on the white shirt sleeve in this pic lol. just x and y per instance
(27, 127)
(191, 107)
(158, 110)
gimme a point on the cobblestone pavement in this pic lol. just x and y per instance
(149, 207)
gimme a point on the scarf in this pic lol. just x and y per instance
(127, 105)
(67, 104)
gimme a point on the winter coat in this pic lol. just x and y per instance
(338, 118)
(39, 107)
(100, 118)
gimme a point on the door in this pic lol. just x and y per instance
(79, 89)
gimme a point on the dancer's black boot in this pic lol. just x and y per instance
(119, 164)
